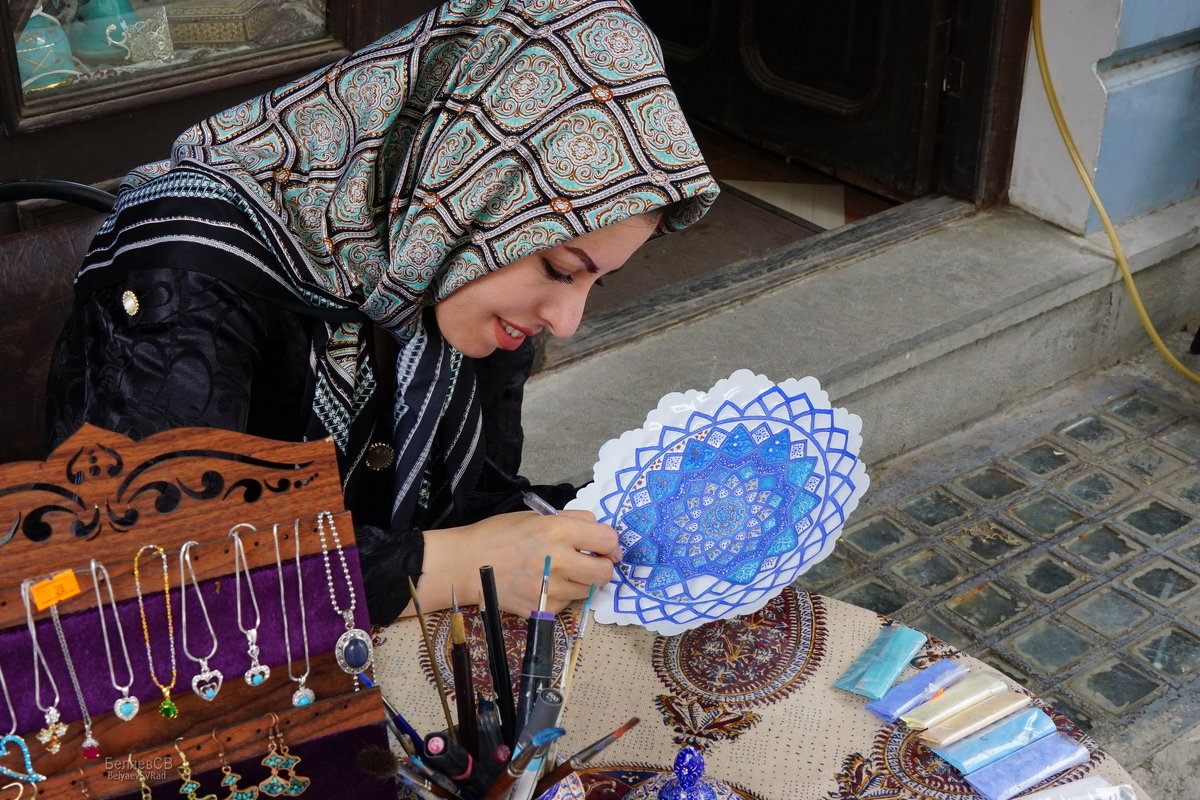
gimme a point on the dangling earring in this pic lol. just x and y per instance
(230, 781)
(278, 759)
(145, 789)
(189, 787)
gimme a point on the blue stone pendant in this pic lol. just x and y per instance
(126, 708)
(258, 673)
(353, 651)
(303, 696)
(207, 682)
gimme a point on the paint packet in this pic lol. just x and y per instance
(907, 695)
(1027, 767)
(997, 740)
(877, 667)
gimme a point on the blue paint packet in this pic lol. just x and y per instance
(1027, 767)
(904, 697)
(997, 740)
(877, 667)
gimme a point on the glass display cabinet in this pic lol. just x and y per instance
(90, 88)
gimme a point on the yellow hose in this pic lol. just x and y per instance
(1118, 251)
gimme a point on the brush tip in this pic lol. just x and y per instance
(546, 567)
(378, 761)
(619, 732)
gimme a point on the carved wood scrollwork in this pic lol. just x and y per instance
(99, 483)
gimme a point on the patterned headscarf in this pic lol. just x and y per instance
(480, 133)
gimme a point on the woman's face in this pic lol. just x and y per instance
(545, 291)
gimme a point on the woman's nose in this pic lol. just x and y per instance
(563, 312)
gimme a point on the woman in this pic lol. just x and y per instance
(365, 255)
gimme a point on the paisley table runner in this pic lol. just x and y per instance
(754, 693)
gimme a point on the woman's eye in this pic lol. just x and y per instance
(555, 275)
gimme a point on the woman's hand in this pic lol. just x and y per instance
(516, 546)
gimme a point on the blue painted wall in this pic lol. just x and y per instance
(1150, 149)
(1146, 21)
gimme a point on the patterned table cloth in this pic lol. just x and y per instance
(754, 693)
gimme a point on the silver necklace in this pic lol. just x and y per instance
(90, 747)
(126, 707)
(303, 695)
(51, 735)
(353, 650)
(258, 673)
(12, 738)
(207, 682)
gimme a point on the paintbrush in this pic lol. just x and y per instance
(577, 761)
(464, 686)
(433, 663)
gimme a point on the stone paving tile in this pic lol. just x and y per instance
(1188, 490)
(1049, 645)
(1139, 411)
(991, 483)
(990, 542)
(1157, 519)
(1098, 489)
(1114, 686)
(878, 536)
(1046, 515)
(930, 571)
(1046, 577)
(1186, 438)
(1149, 463)
(1171, 651)
(875, 595)
(1163, 582)
(987, 606)
(1103, 547)
(1044, 459)
(933, 509)
(1109, 613)
(1094, 433)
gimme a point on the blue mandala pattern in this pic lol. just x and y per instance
(719, 511)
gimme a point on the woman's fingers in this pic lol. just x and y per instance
(590, 536)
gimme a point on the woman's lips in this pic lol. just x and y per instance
(505, 339)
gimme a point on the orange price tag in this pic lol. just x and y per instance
(54, 590)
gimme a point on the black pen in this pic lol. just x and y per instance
(498, 657)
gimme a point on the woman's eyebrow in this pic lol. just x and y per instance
(582, 255)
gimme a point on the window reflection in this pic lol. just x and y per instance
(68, 44)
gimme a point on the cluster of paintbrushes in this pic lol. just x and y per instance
(501, 748)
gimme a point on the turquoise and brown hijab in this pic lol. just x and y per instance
(482, 132)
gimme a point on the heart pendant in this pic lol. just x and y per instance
(257, 675)
(303, 696)
(207, 683)
(29, 775)
(126, 708)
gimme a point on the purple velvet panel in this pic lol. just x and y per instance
(331, 763)
(83, 634)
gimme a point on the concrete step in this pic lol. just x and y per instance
(921, 320)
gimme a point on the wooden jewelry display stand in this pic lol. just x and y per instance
(102, 496)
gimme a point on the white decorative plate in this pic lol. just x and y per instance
(722, 498)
